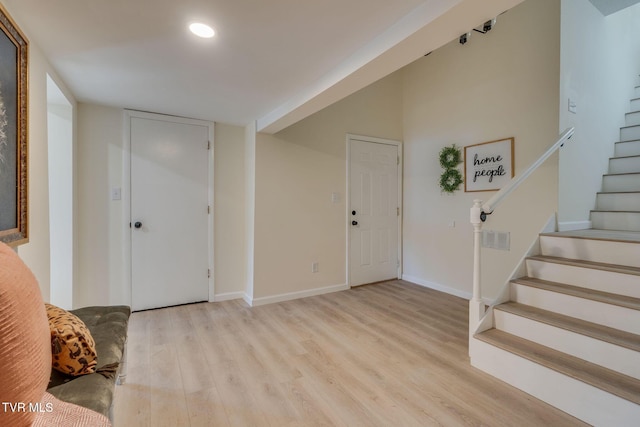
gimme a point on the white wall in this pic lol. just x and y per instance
(600, 63)
(36, 252)
(61, 225)
(502, 84)
(297, 170)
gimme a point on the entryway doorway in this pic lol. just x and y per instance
(171, 193)
(374, 171)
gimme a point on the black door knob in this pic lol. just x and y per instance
(354, 222)
(353, 212)
(138, 224)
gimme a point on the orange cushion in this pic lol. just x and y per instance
(72, 346)
(55, 412)
(25, 351)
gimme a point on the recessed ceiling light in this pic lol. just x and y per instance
(202, 30)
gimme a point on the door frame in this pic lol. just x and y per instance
(371, 139)
(126, 193)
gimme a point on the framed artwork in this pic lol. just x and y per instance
(13, 132)
(489, 165)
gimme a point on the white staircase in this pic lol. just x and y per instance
(569, 333)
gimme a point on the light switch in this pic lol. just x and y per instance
(335, 197)
(116, 193)
(573, 107)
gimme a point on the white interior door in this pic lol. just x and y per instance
(169, 212)
(373, 212)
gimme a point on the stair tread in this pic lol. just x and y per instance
(597, 234)
(579, 326)
(615, 268)
(577, 291)
(623, 173)
(618, 192)
(605, 379)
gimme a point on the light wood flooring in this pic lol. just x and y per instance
(390, 354)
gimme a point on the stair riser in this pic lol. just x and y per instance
(632, 119)
(624, 165)
(635, 104)
(618, 202)
(592, 311)
(627, 149)
(636, 92)
(591, 250)
(612, 183)
(602, 353)
(594, 406)
(599, 280)
(627, 221)
(629, 133)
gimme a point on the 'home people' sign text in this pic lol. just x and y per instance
(488, 166)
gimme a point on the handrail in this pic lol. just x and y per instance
(489, 206)
(478, 214)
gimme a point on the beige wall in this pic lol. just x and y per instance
(297, 170)
(229, 206)
(498, 85)
(36, 252)
(599, 69)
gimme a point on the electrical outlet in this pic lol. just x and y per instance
(314, 267)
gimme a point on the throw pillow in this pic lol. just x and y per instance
(72, 346)
(25, 355)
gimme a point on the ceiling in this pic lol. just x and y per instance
(607, 7)
(271, 62)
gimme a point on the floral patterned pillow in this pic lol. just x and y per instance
(72, 346)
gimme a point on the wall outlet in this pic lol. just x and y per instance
(572, 107)
(314, 267)
(116, 193)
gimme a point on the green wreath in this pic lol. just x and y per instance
(450, 180)
(450, 157)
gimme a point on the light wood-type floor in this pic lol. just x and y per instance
(390, 354)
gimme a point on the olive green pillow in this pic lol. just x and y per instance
(73, 349)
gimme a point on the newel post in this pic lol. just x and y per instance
(476, 306)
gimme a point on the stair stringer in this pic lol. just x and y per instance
(590, 404)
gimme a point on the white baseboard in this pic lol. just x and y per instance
(574, 225)
(295, 295)
(228, 296)
(437, 287)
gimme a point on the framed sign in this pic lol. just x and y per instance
(488, 166)
(13, 132)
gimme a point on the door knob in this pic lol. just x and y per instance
(353, 212)
(138, 224)
(354, 222)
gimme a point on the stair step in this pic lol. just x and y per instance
(632, 118)
(627, 148)
(636, 91)
(605, 308)
(626, 164)
(635, 104)
(615, 220)
(605, 246)
(621, 182)
(618, 201)
(605, 379)
(629, 133)
(614, 349)
(593, 330)
(588, 275)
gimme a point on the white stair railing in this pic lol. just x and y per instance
(478, 215)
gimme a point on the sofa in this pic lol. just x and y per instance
(108, 327)
(34, 394)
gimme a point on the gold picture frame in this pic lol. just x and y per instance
(14, 77)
